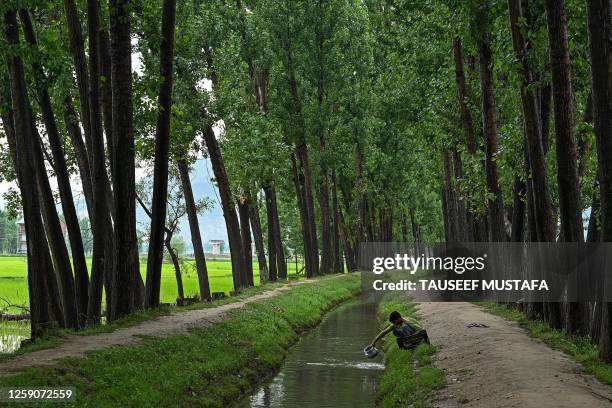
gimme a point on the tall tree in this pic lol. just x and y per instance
(489, 126)
(539, 192)
(567, 163)
(599, 14)
(62, 176)
(99, 261)
(77, 50)
(245, 233)
(162, 155)
(194, 227)
(44, 294)
(127, 280)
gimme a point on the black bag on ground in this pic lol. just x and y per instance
(410, 342)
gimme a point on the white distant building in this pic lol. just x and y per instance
(216, 246)
(23, 242)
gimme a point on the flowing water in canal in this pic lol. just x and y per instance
(327, 368)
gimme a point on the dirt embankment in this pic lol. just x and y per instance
(501, 366)
(74, 345)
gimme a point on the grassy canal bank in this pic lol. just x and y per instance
(210, 366)
(409, 378)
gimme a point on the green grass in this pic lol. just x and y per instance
(580, 348)
(14, 286)
(409, 378)
(210, 367)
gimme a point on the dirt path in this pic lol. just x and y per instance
(501, 366)
(76, 346)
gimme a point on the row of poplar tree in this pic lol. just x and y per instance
(275, 94)
(533, 103)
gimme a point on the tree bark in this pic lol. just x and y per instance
(247, 243)
(272, 256)
(62, 177)
(304, 218)
(336, 245)
(227, 204)
(42, 286)
(77, 50)
(106, 93)
(567, 164)
(584, 142)
(176, 264)
(259, 243)
(73, 129)
(540, 192)
(489, 125)
(126, 280)
(194, 227)
(99, 261)
(276, 251)
(518, 210)
(466, 117)
(162, 157)
(450, 204)
(304, 177)
(464, 230)
(598, 12)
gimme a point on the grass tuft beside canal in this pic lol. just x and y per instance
(410, 378)
(209, 366)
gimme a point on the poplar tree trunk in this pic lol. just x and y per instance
(326, 266)
(362, 213)
(77, 49)
(336, 244)
(45, 309)
(304, 218)
(450, 207)
(584, 141)
(194, 227)
(567, 164)
(100, 231)
(303, 174)
(327, 260)
(55, 234)
(245, 234)
(466, 117)
(275, 243)
(62, 177)
(259, 243)
(106, 93)
(126, 279)
(599, 33)
(518, 210)
(540, 192)
(472, 222)
(272, 256)
(227, 204)
(176, 264)
(489, 125)
(73, 129)
(162, 157)
(464, 230)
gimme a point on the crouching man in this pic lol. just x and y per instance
(408, 336)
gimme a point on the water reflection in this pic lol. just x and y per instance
(11, 335)
(327, 367)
